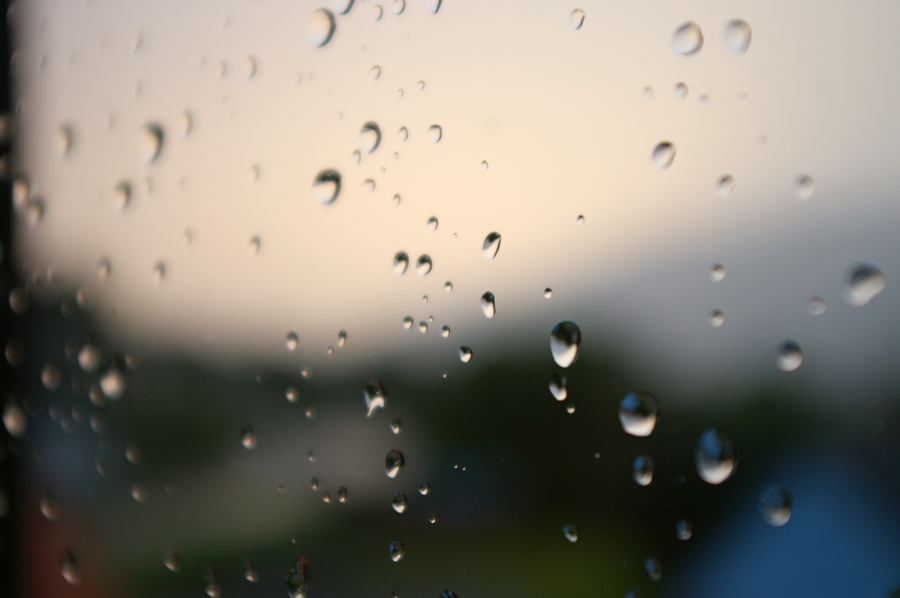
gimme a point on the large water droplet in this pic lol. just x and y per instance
(248, 438)
(683, 529)
(488, 305)
(558, 387)
(342, 7)
(788, 356)
(570, 533)
(399, 6)
(423, 327)
(435, 133)
(396, 549)
(465, 354)
(423, 265)
(642, 470)
(804, 186)
(399, 502)
(373, 394)
(715, 457)
(638, 413)
(737, 36)
(393, 462)
(565, 342)
(653, 569)
(775, 504)
(326, 186)
(69, 567)
(725, 185)
(320, 27)
(576, 19)
(491, 246)
(865, 283)
(377, 12)
(150, 141)
(687, 39)
(369, 137)
(401, 263)
(663, 154)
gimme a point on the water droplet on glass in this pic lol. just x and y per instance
(63, 140)
(576, 19)
(432, 518)
(369, 185)
(139, 492)
(788, 356)
(342, 7)
(34, 211)
(737, 36)
(393, 462)
(150, 141)
(250, 572)
(570, 533)
(445, 331)
(248, 438)
(448, 286)
(172, 561)
(715, 457)
(681, 91)
(435, 133)
(687, 39)
(377, 12)
(638, 413)
(423, 265)
(69, 567)
(716, 318)
(816, 307)
(570, 408)
(558, 387)
(14, 420)
(565, 342)
(399, 502)
(804, 186)
(775, 504)
(326, 186)
(255, 244)
(314, 483)
(49, 507)
(249, 67)
(491, 246)
(642, 470)
(133, 453)
(865, 283)
(291, 341)
(423, 327)
(51, 377)
(369, 137)
(663, 154)
(113, 383)
(291, 394)
(548, 293)
(725, 185)
(424, 488)
(653, 568)
(683, 529)
(320, 27)
(396, 549)
(407, 322)
(326, 497)
(342, 338)
(465, 354)
(717, 273)
(342, 494)
(432, 224)
(373, 394)
(297, 580)
(399, 6)
(401, 263)
(488, 305)
(433, 6)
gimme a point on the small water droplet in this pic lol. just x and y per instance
(342, 7)
(435, 133)
(401, 263)
(484, 165)
(725, 185)
(715, 457)
(433, 6)
(297, 580)
(373, 394)
(51, 377)
(403, 134)
(342, 494)
(15, 420)
(399, 502)
(687, 39)
(69, 567)
(342, 338)
(369, 137)
(150, 141)
(49, 507)
(34, 211)
(250, 572)
(683, 529)
(647, 93)
(423, 265)
(737, 36)
(681, 91)
(326, 497)
(570, 408)
(171, 561)
(558, 387)
(396, 426)
(424, 488)
(314, 483)
(369, 185)
(396, 549)
(788, 356)
(548, 293)
(576, 19)
(133, 453)
(663, 154)
(63, 140)
(432, 518)
(445, 331)
(565, 342)
(864, 284)
(432, 224)
(804, 186)
(326, 186)
(716, 318)
(291, 394)
(249, 67)
(579, 220)
(393, 462)
(139, 492)
(653, 568)
(570, 533)
(377, 12)
(309, 412)
(255, 244)
(396, 199)
(291, 341)
(448, 286)
(491, 246)
(816, 306)
(465, 354)
(488, 305)
(248, 438)
(717, 273)
(423, 327)
(642, 470)
(638, 413)
(320, 27)
(399, 6)
(775, 504)
(407, 322)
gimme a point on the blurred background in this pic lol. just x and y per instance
(294, 291)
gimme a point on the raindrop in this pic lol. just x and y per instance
(642, 470)
(423, 265)
(292, 341)
(172, 561)
(369, 137)
(399, 6)
(342, 494)
(69, 568)
(647, 93)
(51, 377)
(133, 453)
(488, 305)
(186, 123)
(250, 572)
(396, 199)
(122, 195)
(717, 273)
(326, 497)
(249, 67)
(375, 72)
(681, 91)
(357, 156)
(113, 383)
(314, 483)
(150, 141)
(432, 518)
(558, 387)
(401, 263)
(576, 19)
(688, 39)
(377, 12)
(737, 36)
(775, 504)
(433, 6)
(255, 243)
(342, 7)
(565, 341)
(683, 529)
(424, 488)
(309, 412)
(396, 549)
(326, 186)
(663, 154)
(570, 533)
(20, 192)
(63, 140)
(139, 492)
(14, 420)
(49, 507)
(638, 413)
(423, 327)
(579, 220)
(445, 331)
(291, 394)
(103, 268)
(448, 286)
(816, 306)
(484, 165)
(804, 186)
(296, 582)
(320, 27)
(393, 462)
(725, 185)
(396, 426)
(18, 300)
(715, 457)
(34, 211)
(407, 322)
(432, 224)
(248, 438)
(716, 318)
(369, 185)
(399, 502)
(435, 133)
(788, 356)
(491, 246)
(373, 394)
(465, 354)
(342, 338)
(548, 293)
(865, 283)
(570, 408)
(403, 134)
(653, 568)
